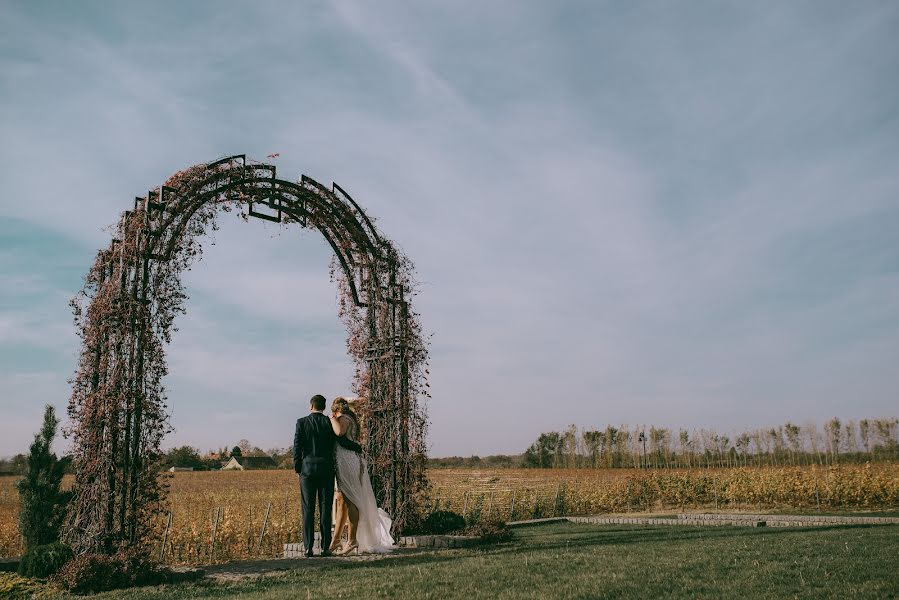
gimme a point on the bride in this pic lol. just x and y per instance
(369, 526)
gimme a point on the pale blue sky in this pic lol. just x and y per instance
(680, 213)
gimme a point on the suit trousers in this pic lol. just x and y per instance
(320, 487)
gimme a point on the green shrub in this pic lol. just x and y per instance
(414, 524)
(44, 561)
(43, 504)
(139, 569)
(475, 509)
(92, 573)
(442, 521)
(13, 586)
(490, 533)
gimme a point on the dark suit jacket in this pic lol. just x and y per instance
(313, 446)
(314, 440)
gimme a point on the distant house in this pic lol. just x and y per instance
(247, 463)
(178, 469)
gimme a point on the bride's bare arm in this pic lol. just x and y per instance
(339, 424)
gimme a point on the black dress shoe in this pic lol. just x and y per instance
(326, 553)
(309, 555)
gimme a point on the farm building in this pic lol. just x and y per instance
(179, 469)
(248, 463)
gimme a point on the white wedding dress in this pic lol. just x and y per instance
(373, 531)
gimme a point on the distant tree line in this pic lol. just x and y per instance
(662, 448)
(18, 464)
(190, 457)
(182, 457)
(496, 461)
(622, 447)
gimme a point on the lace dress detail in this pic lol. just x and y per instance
(373, 532)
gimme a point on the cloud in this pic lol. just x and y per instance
(25, 393)
(681, 215)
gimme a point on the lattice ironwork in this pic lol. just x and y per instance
(125, 316)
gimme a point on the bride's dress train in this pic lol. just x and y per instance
(373, 531)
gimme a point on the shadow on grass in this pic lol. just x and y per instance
(561, 537)
(547, 541)
(648, 534)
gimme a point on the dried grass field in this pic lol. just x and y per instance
(226, 515)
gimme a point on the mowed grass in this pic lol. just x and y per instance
(587, 561)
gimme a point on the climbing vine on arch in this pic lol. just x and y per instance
(125, 316)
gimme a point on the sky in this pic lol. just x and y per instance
(681, 214)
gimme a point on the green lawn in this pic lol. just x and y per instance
(595, 561)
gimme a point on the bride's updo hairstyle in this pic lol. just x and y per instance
(341, 405)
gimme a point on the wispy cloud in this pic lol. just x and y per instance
(676, 214)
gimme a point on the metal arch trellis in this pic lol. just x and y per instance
(125, 315)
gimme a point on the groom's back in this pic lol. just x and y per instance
(317, 439)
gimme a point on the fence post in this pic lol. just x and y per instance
(465, 505)
(264, 524)
(215, 527)
(512, 509)
(556, 501)
(165, 538)
(286, 520)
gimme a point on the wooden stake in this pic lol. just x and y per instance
(716, 495)
(264, 524)
(556, 501)
(165, 538)
(215, 527)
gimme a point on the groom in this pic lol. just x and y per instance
(313, 460)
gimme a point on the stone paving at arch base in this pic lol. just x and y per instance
(721, 519)
(405, 542)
